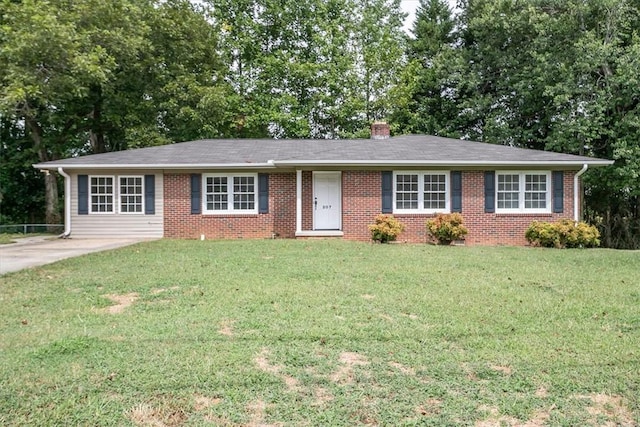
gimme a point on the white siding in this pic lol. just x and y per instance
(117, 224)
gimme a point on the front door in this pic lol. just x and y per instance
(327, 200)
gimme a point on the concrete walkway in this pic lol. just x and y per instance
(41, 250)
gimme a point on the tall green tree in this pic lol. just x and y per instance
(90, 76)
(540, 74)
(49, 65)
(310, 68)
(423, 100)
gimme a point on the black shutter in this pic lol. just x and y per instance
(387, 192)
(263, 193)
(489, 191)
(149, 194)
(558, 191)
(196, 193)
(83, 194)
(456, 191)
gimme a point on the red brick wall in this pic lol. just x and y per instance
(307, 200)
(180, 223)
(361, 202)
(487, 228)
(502, 229)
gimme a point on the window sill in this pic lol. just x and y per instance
(524, 214)
(419, 213)
(230, 215)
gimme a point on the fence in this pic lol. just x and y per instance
(32, 228)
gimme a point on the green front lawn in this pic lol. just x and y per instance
(289, 333)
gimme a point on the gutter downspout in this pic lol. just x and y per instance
(67, 204)
(576, 195)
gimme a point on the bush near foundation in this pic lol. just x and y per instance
(446, 228)
(565, 233)
(386, 228)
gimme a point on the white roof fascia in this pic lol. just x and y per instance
(272, 164)
(70, 166)
(594, 162)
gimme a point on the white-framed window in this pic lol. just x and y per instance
(421, 192)
(235, 193)
(131, 194)
(524, 192)
(101, 194)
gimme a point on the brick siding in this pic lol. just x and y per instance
(181, 223)
(361, 202)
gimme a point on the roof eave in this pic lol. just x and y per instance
(440, 163)
(271, 164)
(181, 166)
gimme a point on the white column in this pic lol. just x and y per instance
(298, 201)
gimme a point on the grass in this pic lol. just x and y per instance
(6, 238)
(338, 333)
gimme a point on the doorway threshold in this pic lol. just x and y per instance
(320, 233)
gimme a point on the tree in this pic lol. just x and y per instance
(423, 98)
(22, 199)
(52, 65)
(91, 76)
(544, 74)
(311, 68)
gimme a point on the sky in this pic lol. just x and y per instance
(410, 6)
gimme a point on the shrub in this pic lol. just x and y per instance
(386, 228)
(565, 233)
(446, 228)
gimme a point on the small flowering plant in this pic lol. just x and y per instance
(446, 228)
(386, 228)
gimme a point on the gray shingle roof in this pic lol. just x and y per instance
(410, 150)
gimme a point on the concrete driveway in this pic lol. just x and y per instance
(36, 251)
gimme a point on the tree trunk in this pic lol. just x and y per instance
(96, 132)
(52, 208)
(52, 211)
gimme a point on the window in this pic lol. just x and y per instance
(131, 194)
(101, 194)
(230, 194)
(435, 192)
(508, 191)
(523, 192)
(424, 192)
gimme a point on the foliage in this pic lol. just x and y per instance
(91, 76)
(446, 228)
(551, 75)
(311, 68)
(286, 332)
(565, 233)
(421, 99)
(21, 195)
(385, 229)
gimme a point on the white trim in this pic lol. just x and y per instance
(272, 164)
(114, 195)
(421, 174)
(119, 196)
(298, 201)
(521, 192)
(148, 166)
(230, 210)
(452, 163)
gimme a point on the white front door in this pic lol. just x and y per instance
(327, 200)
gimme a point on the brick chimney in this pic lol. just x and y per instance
(380, 130)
